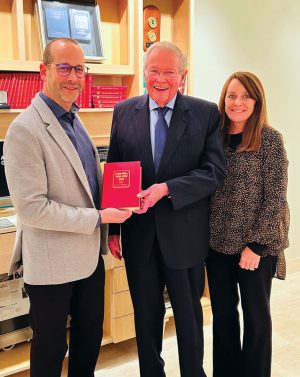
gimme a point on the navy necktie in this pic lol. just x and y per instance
(161, 129)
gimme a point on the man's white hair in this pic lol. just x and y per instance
(166, 45)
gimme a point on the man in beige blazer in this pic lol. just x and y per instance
(54, 179)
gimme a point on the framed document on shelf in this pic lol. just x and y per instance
(80, 23)
(79, 20)
(57, 23)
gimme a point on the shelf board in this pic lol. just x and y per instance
(97, 69)
(10, 111)
(96, 110)
(8, 230)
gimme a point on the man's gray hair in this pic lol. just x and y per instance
(166, 45)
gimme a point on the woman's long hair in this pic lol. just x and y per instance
(251, 137)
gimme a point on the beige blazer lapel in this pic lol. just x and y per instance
(62, 139)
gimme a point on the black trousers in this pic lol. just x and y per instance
(252, 358)
(185, 288)
(49, 309)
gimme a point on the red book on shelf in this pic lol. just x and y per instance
(99, 89)
(109, 101)
(113, 97)
(121, 184)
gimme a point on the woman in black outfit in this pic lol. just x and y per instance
(249, 220)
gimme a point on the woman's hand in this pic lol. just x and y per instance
(249, 260)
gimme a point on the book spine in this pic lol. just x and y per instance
(12, 100)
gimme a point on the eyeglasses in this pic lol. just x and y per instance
(65, 69)
(154, 74)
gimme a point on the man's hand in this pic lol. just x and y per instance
(249, 260)
(113, 215)
(114, 246)
(151, 196)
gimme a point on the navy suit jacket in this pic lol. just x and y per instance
(193, 167)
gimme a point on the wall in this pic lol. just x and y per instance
(262, 37)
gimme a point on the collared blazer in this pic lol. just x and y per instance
(192, 165)
(56, 239)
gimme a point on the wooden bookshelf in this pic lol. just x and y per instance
(122, 36)
(21, 51)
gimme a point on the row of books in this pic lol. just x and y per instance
(22, 87)
(84, 99)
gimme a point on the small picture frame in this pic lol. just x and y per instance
(72, 19)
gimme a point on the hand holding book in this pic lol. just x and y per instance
(151, 196)
(114, 216)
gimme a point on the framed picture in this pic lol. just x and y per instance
(79, 20)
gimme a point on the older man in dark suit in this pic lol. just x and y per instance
(177, 140)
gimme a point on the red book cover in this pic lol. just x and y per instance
(28, 94)
(21, 91)
(32, 83)
(121, 184)
(12, 92)
(17, 90)
(2, 81)
(88, 83)
(100, 89)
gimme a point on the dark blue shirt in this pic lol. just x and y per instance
(81, 143)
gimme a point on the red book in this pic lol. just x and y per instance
(121, 184)
(101, 106)
(109, 101)
(103, 96)
(100, 89)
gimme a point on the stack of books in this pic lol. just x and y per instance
(107, 96)
(21, 87)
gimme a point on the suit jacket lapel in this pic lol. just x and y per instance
(141, 124)
(179, 122)
(62, 139)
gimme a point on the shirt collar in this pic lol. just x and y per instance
(57, 110)
(153, 105)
